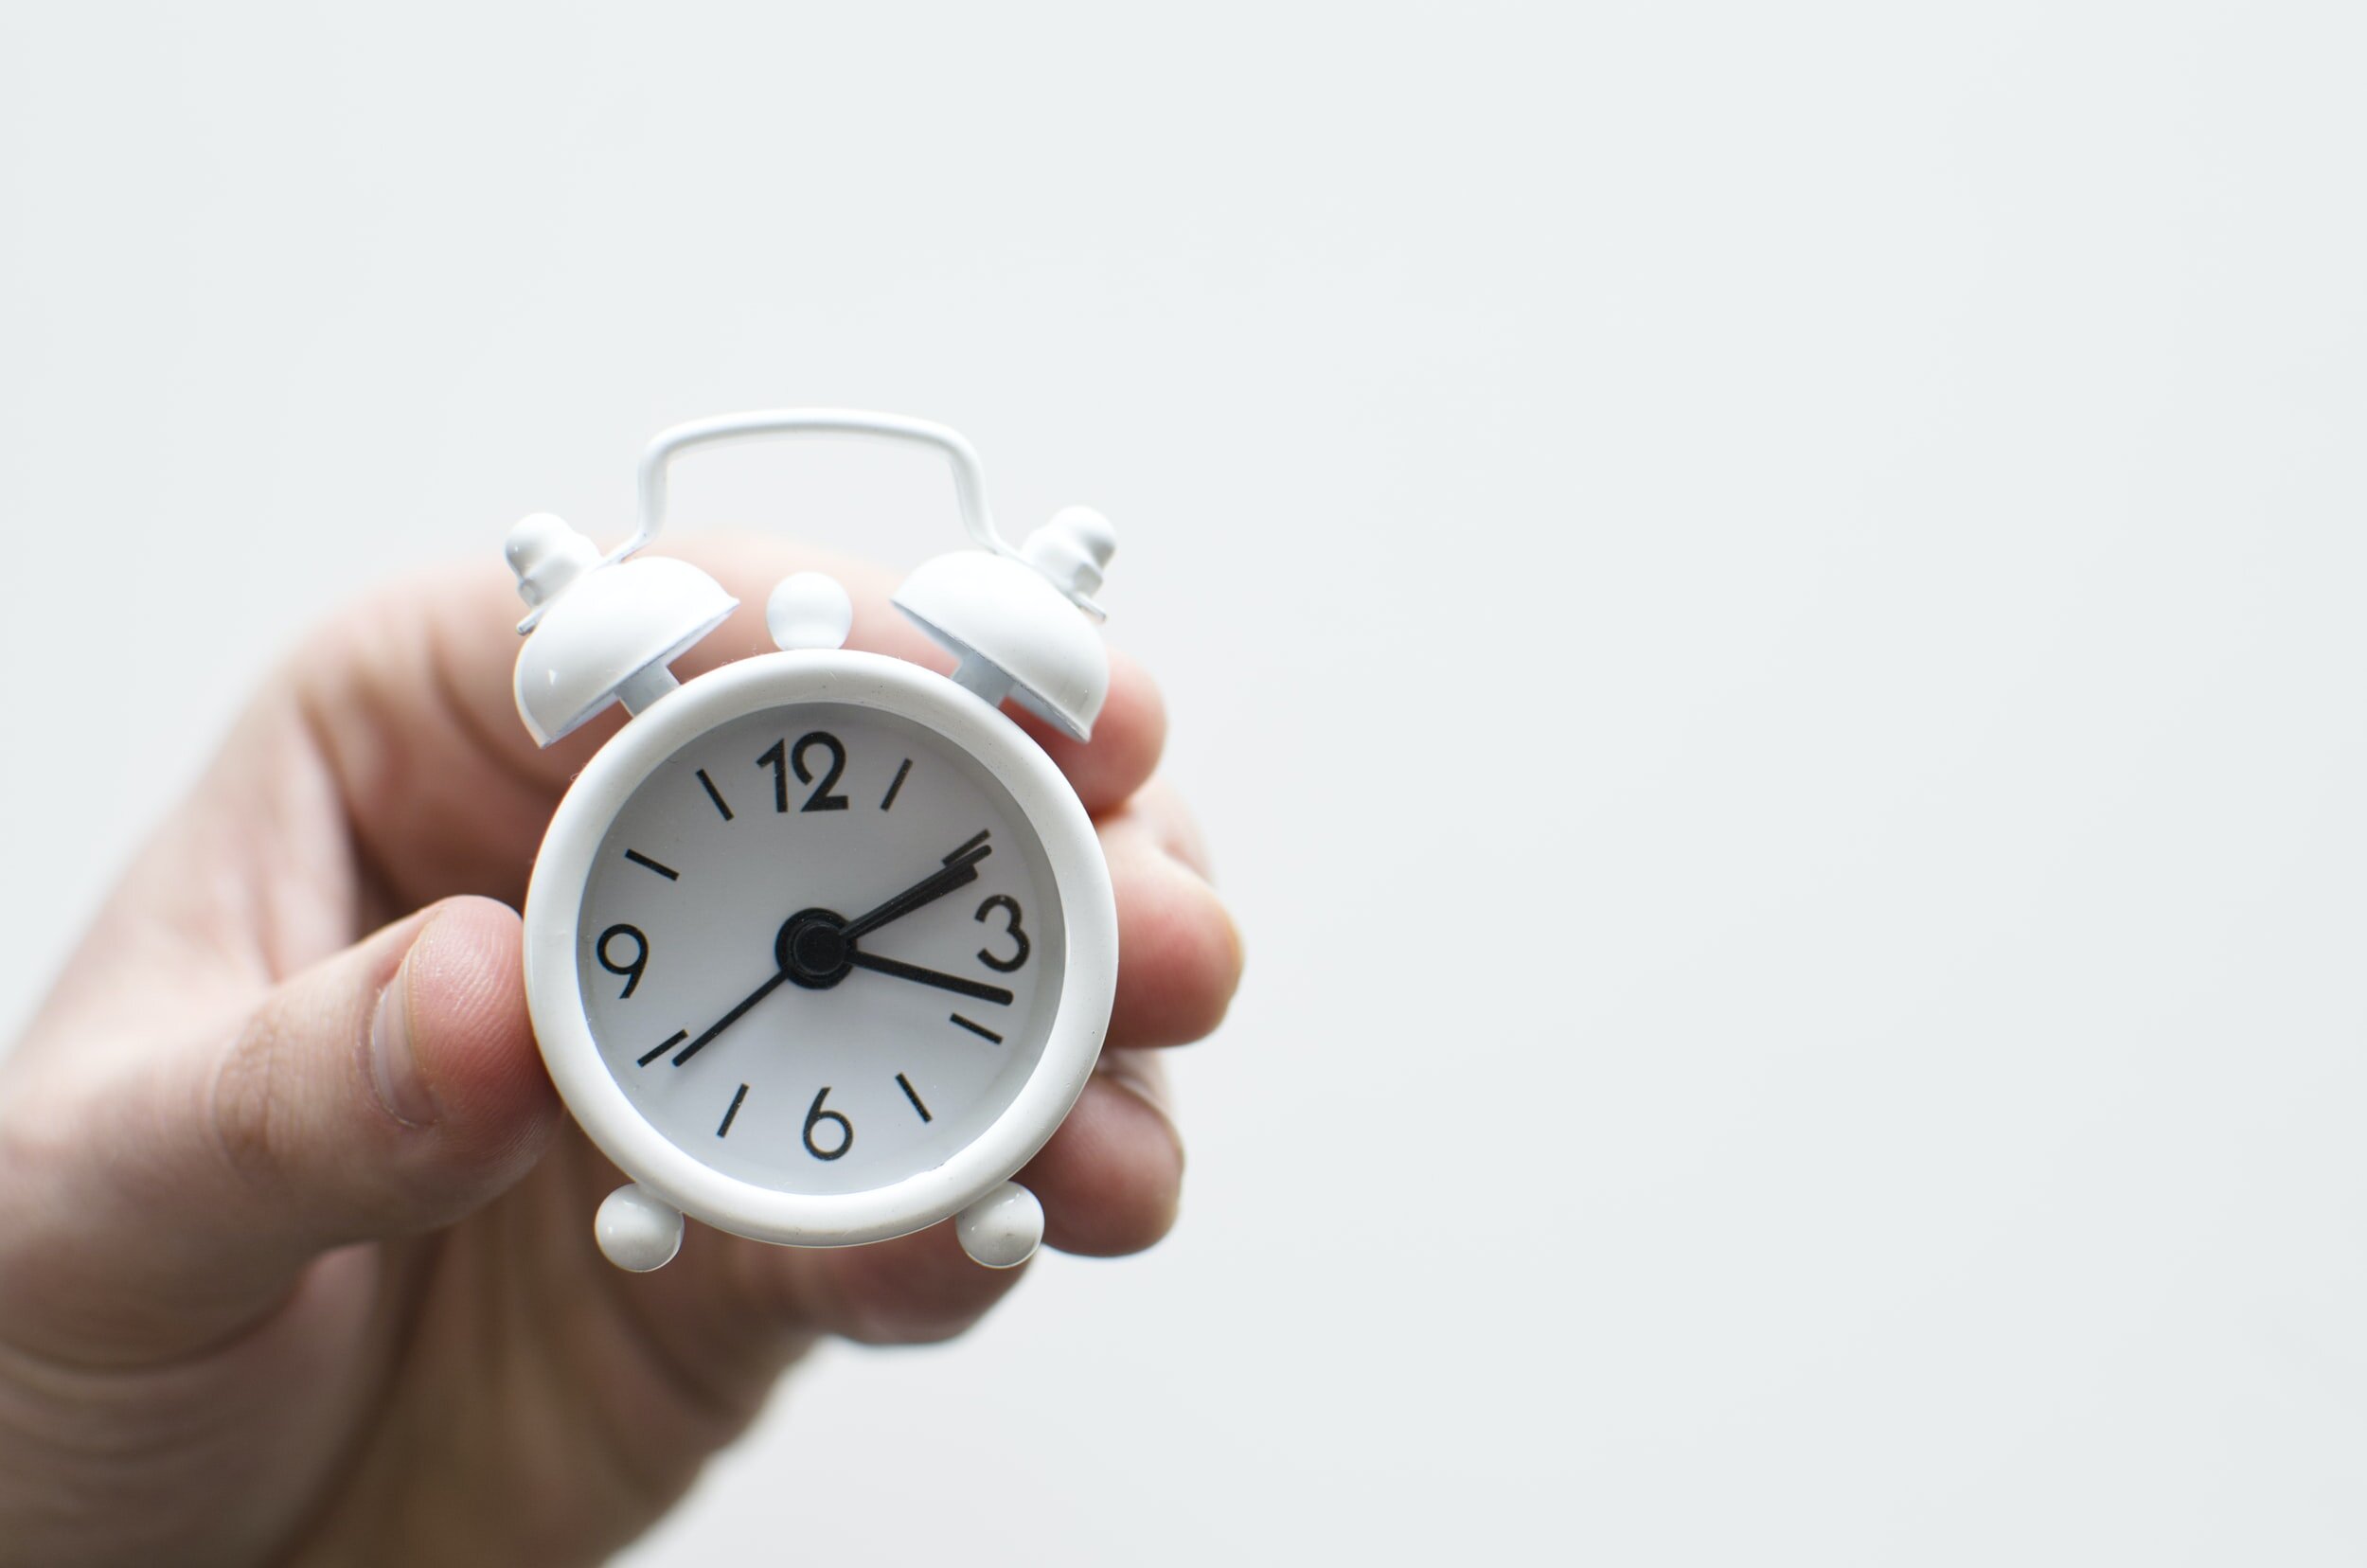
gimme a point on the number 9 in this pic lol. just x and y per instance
(631, 972)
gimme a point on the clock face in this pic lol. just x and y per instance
(819, 948)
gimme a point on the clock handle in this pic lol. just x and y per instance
(970, 484)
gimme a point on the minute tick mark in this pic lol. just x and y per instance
(715, 794)
(661, 1047)
(639, 858)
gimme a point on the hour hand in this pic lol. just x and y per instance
(953, 983)
(960, 866)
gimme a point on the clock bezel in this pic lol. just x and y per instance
(1081, 1010)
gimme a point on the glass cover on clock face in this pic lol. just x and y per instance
(819, 948)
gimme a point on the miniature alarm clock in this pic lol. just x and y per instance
(820, 947)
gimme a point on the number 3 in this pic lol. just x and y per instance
(1012, 930)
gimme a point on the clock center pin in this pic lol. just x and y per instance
(812, 947)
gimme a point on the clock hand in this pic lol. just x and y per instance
(730, 1018)
(960, 866)
(929, 977)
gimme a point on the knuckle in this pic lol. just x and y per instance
(1224, 956)
(1203, 957)
(248, 1102)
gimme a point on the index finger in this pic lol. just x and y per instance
(409, 699)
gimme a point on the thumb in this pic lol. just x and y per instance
(387, 1090)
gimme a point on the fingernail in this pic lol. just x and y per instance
(394, 1066)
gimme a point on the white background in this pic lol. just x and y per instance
(1761, 603)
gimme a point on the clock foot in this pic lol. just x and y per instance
(1002, 1229)
(637, 1229)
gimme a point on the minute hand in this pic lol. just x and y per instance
(953, 983)
(962, 869)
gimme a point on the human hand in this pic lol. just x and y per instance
(295, 1248)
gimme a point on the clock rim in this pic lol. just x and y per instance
(553, 916)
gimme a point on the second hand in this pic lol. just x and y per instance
(730, 1018)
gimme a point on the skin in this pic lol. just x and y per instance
(248, 1313)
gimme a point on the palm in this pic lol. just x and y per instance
(483, 1386)
(536, 1366)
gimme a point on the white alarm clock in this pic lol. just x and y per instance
(820, 947)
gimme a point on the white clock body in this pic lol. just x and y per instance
(819, 948)
(849, 1104)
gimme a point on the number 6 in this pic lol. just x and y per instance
(846, 1129)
